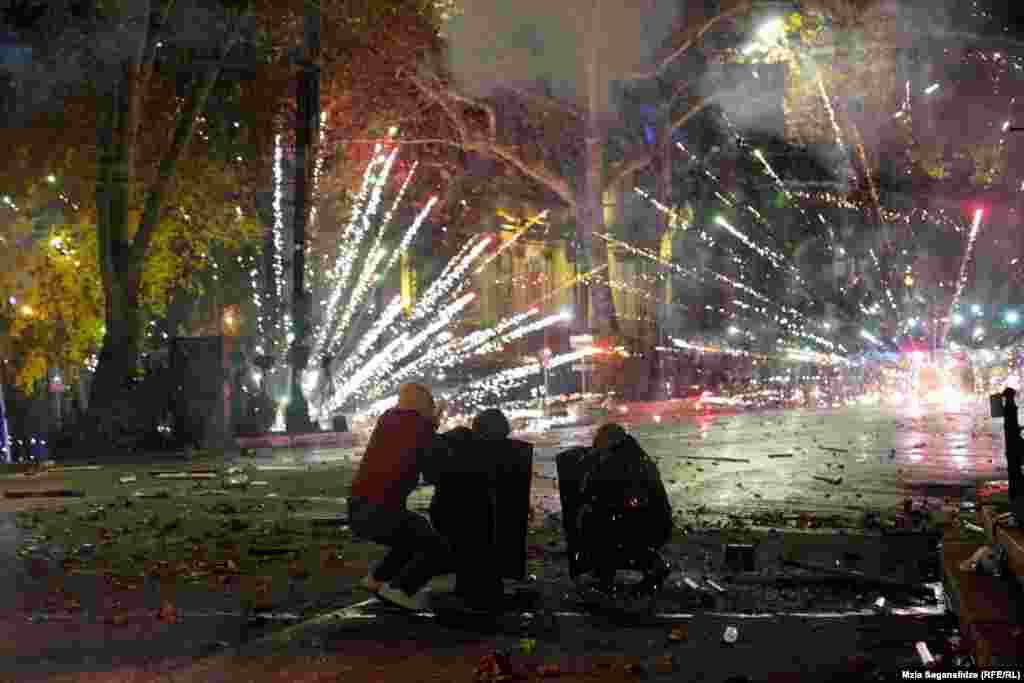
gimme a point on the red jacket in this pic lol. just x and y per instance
(398, 451)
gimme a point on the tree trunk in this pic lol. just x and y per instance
(589, 212)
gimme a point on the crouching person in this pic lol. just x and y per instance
(615, 510)
(481, 505)
(398, 453)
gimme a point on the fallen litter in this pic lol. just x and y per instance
(835, 450)
(186, 475)
(972, 527)
(861, 577)
(56, 493)
(152, 494)
(279, 468)
(926, 656)
(131, 478)
(75, 468)
(714, 585)
(715, 459)
(828, 480)
(178, 473)
(731, 634)
(780, 455)
(971, 563)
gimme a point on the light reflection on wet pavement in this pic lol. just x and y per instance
(937, 451)
(878, 454)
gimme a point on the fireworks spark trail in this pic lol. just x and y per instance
(881, 276)
(279, 220)
(831, 113)
(961, 281)
(409, 234)
(446, 282)
(569, 283)
(671, 213)
(518, 333)
(341, 333)
(348, 245)
(375, 255)
(474, 394)
(391, 311)
(785, 322)
(522, 231)
(449, 353)
(776, 259)
(384, 362)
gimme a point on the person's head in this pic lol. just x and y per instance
(1009, 393)
(491, 425)
(609, 436)
(418, 398)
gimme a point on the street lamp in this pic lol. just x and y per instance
(958, 319)
(1012, 317)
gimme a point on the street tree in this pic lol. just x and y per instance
(570, 62)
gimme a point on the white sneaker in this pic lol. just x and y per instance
(397, 596)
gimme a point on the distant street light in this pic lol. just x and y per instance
(734, 331)
(1012, 317)
(976, 309)
(958, 319)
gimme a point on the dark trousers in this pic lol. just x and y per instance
(416, 552)
(1013, 464)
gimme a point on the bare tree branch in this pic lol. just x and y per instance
(545, 177)
(646, 158)
(740, 8)
(549, 102)
(488, 146)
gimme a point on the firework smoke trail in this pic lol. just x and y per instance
(445, 282)
(473, 394)
(962, 279)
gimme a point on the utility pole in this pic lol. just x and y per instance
(307, 121)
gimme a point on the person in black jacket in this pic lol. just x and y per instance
(1014, 444)
(480, 506)
(624, 516)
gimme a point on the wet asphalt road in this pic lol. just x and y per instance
(938, 452)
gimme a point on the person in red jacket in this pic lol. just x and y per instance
(400, 449)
